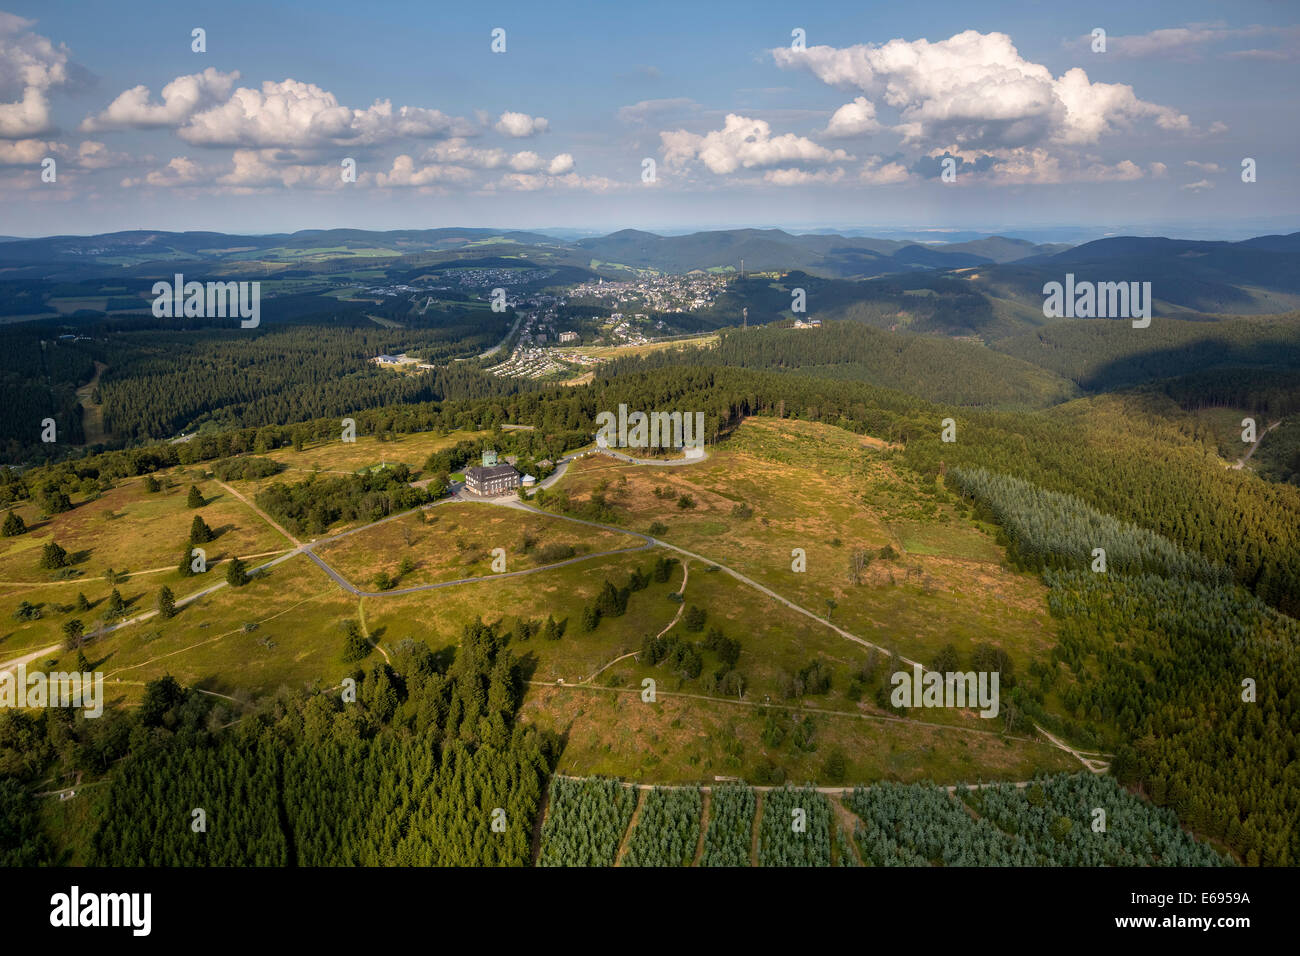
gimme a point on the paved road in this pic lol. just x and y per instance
(500, 345)
(13, 663)
(562, 465)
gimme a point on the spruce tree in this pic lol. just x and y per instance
(166, 603)
(72, 632)
(236, 573)
(200, 533)
(14, 525)
(53, 556)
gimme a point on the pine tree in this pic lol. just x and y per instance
(195, 497)
(72, 633)
(166, 603)
(53, 556)
(14, 525)
(236, 573)
(83, 605)
(200, 533)
(116, 606)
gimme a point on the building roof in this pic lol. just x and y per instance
(479, 473)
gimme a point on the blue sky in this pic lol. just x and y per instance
(852, 131)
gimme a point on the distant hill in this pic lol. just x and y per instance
(829, 256)
(1255, 276)
(1002, 249)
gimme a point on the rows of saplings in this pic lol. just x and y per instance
(1069, 819)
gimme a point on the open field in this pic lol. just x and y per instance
(129, 529)
(279, 629)
(625, 351)
(456, 541)
(830, 493)
(438, 616)
(687, 740)
(367, 450)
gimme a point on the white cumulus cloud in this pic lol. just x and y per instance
(406, 173)
(292, 114)
(520, 125)
(181, 98)
(854, 119)
(30, 66)
(975, 89)
(743, 143)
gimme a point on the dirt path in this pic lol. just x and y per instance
(1241, 462)
(210, 640)
(631, 827)
(92, 415)
(847, 822)
(365, 631)
(15, 662)
(1089, 758)
(706, 808)
(128, 574)
(260, 513)
(761, 789)
(858, 715)
(686, 571)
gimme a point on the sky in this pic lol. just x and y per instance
(927, 116)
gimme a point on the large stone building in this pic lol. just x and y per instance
(490, 479)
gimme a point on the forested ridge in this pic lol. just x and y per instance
(1157, 667)
(940, 369)
(165, 375)
(1100, 354)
